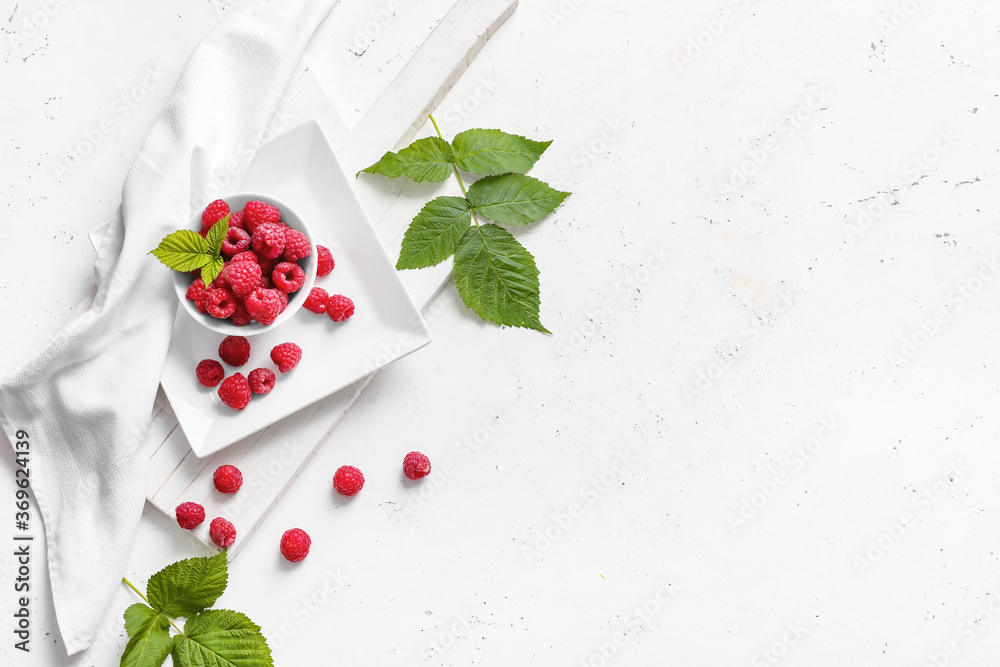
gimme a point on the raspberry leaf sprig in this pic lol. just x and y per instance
(210, 636)
(496, 276)
(186, 250)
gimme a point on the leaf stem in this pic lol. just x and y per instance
(139, 593)
(455, 169)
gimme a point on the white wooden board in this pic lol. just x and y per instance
(270, 460)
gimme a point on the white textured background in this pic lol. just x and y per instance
(651, 276)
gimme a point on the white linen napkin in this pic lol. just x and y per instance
(85, 401)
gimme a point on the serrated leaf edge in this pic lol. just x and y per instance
(540, 327)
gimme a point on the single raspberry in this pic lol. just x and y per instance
(257, 213)
(222, 532)
(228, 479)
(214, 212)
(296, 246)
(220, 303)
(235, 391)
(234, 350)
(295, 544)
(197, 291)
(241, 316)
(416, 465)
(267, 264)
(288, 277)
(264, 305)
(241, 276)
(324, 261)
(220, 281)
(236, 242)
(316, 301)
(261, 380)
(287, 356)
(348, 480)
(339, 307)
(190, 515)
(268, 240)
(236, 220)
(210, 372)
(245, 256)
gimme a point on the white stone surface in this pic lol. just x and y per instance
(650, 275)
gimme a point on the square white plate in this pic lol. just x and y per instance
(301, 168)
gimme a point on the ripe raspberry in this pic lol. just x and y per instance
(197, 292)
(236, 220)
(261, 380)
(284, 300)
(264, 305)
(241, 276)
(200, 305)
(234, 350)
(268, 240)
(348, 480)
(267, 264)
(214, 212)
(296, 246)
(222, 532)
(295, 544)
(236, 242)
(265, 282)
(240, 317)
(316, 301)
(416, 465)
(339, 307)
(228, 479)
(245, 256)
(235, 391)
(324, 261)
(288, 277)
(190, 515)
(220, 281)
(209, 372)
(287, 356)
(220, 303)
(257, 213)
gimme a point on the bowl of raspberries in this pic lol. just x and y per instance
(270, 266)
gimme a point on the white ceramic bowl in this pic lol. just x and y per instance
(182, 281)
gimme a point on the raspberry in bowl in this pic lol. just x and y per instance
(269, 249)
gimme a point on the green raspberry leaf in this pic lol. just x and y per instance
(426, 159)
(216, 235)
(149, 642)
(188, 586)
(497, 278)
(140, 619)
(434, 234)
(212, 269)
(514, 199)
(488, 152)
(183, 250)
(221, 638)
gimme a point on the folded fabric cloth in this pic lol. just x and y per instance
(86, 400)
